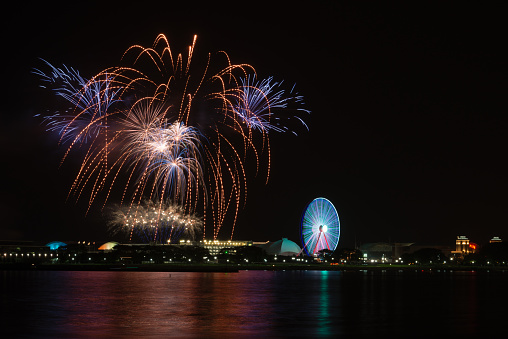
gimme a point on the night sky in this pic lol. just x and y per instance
(407, 130)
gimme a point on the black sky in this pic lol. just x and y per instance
(407, 131)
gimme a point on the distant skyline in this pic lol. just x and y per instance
(407, 131)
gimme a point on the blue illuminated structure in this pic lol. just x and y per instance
(320, 228)
(54, 245)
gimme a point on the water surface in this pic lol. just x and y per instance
(80, 304)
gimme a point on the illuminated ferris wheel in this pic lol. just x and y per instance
(320, 228)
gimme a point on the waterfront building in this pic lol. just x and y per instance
(377, 252)
(25, 252)
(109, 246)
(462, 245)
(54, 245)
(283, 247)
(394, 252)
(215, 246)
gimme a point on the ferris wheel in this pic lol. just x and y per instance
(320, 228)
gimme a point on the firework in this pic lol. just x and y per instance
(165, 131)
(167, 152)
(255, 103)
(90, 100)
(154, 222)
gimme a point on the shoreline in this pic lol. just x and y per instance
(232, 268)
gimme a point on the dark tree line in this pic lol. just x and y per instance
(490, 254)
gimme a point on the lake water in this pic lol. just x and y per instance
(49, 304)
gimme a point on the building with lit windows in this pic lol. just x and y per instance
(462, 245)
(215, 246)
(25, 252)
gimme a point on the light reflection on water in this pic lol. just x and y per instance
(249, 304)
